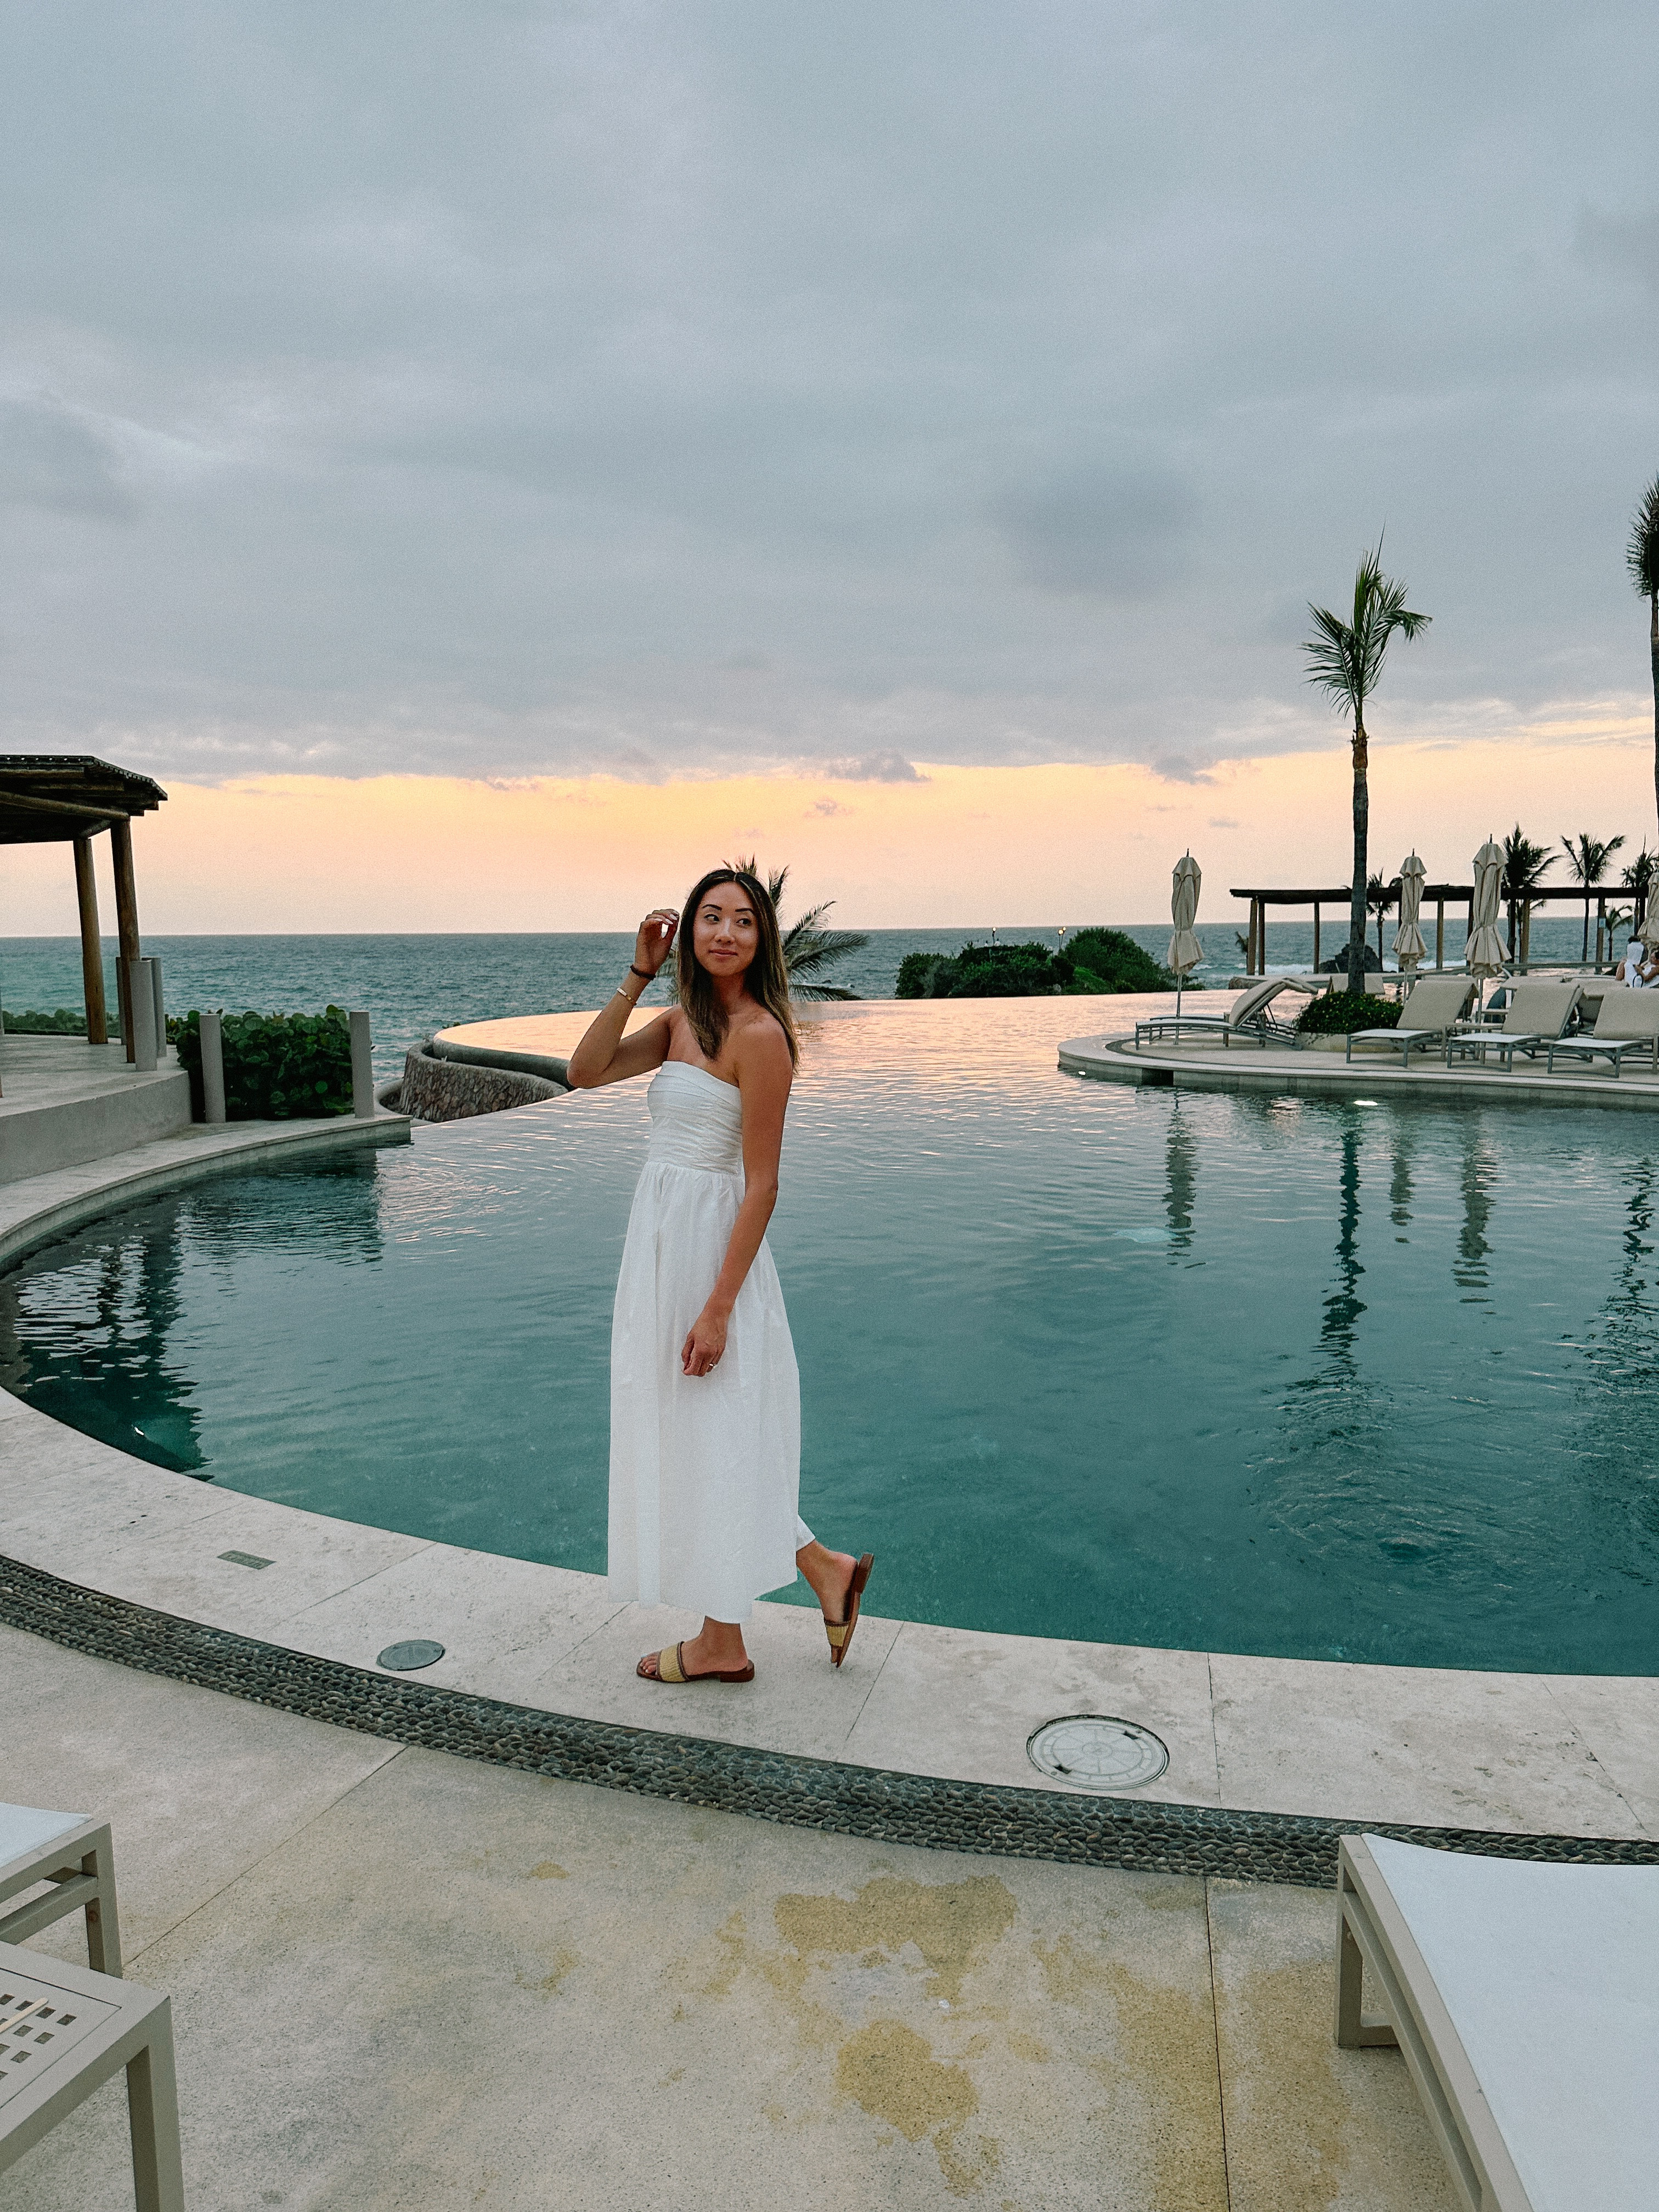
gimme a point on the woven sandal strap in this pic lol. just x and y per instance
(668, 1668)
(836, 1632)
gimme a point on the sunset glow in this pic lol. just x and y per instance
(958, 847)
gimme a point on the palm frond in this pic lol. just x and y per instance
(1642, 554)
(1344, 658)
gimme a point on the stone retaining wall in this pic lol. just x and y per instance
(453, 1090)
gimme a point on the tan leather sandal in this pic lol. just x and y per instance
(671, 1667)
(839, 1633)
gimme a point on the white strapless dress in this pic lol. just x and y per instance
(705, 1470)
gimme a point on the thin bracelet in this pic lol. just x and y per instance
(641, 972)
(620, 993)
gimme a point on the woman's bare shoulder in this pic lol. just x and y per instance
(758, 1043)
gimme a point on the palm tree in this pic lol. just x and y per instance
(1346, 660)
(1586, 859)
(808, 947)
(1642, 556)
(1525, 867)
(1379, 897)
(1637, 879)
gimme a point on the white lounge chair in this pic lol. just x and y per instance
(64, 2031)
(1247, 1018)
(1535, 1016)
(1524, 1998)
(73, 1854)
(1627, 1023)
(1432, 1008)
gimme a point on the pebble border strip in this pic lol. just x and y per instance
(916, 1809)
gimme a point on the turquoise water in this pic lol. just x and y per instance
(1198, 1370)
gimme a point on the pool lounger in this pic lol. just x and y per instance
(1431, 1007)
(1524, 1998)
(1628, 1022)
(1535, 1017)
(1248, 1017)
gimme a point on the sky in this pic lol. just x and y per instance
(532, 442)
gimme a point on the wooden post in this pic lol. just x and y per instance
(126, 923)
(92, 948)
(1440, 933)
(1526, 932)
(1261, 937)
(1315, 959)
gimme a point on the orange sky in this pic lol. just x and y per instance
(968, 846)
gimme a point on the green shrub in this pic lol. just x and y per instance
(63, 1021)
(1338, 1013)
(1119, 963)
(278, 1067)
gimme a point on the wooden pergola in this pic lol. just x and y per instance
(1438, 896)
(63, 798)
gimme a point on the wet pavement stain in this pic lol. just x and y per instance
(893, 2073)
(954, 1925)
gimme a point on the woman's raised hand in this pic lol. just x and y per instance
(656, 937)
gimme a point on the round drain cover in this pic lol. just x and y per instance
(1096, 1751)
(403, 1658)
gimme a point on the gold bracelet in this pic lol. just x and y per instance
(620, 993)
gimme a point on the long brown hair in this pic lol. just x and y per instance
(766, 979)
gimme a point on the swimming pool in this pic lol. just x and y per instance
(1195, 1370)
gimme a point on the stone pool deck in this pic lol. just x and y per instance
(1197, 1063)
(400, 1980)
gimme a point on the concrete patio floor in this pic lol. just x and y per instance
(403, 1979)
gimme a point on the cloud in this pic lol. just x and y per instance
(1223, 822)
(1627, 244)
(1119, 532)
(51, 458)
(874, 768)
(693, 389)
(1176, 768)
(827, 807)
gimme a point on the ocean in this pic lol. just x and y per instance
(412, 985)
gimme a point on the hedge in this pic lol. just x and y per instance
(278, 1067)
(1339, 1013)
(1096, 961)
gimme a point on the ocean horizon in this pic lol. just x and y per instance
(414, 982)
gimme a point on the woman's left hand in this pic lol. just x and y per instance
(703, 1349)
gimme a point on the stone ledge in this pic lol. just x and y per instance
(792, 1791)
(441, 1089)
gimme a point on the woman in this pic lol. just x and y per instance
(705, 1398)
(1638, 968)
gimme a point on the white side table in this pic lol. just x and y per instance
(63, 2031)
(73, 1853)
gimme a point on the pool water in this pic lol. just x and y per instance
(1220, 1372)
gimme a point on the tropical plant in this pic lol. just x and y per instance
(278, 1067)
(1525, 867)
(1642, 557)
(809, 949)
(1346, 661)
(1637, 879)
(1115, 960)
(1586, 859)
(1379, 897)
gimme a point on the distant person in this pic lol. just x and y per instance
(705, 1397)
(1639, 968)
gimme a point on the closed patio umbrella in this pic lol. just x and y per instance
(1408, 943)
(1483, 954)
(1185, 951)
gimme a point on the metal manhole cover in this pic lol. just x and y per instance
(1097, 1751)
(404, 1658)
